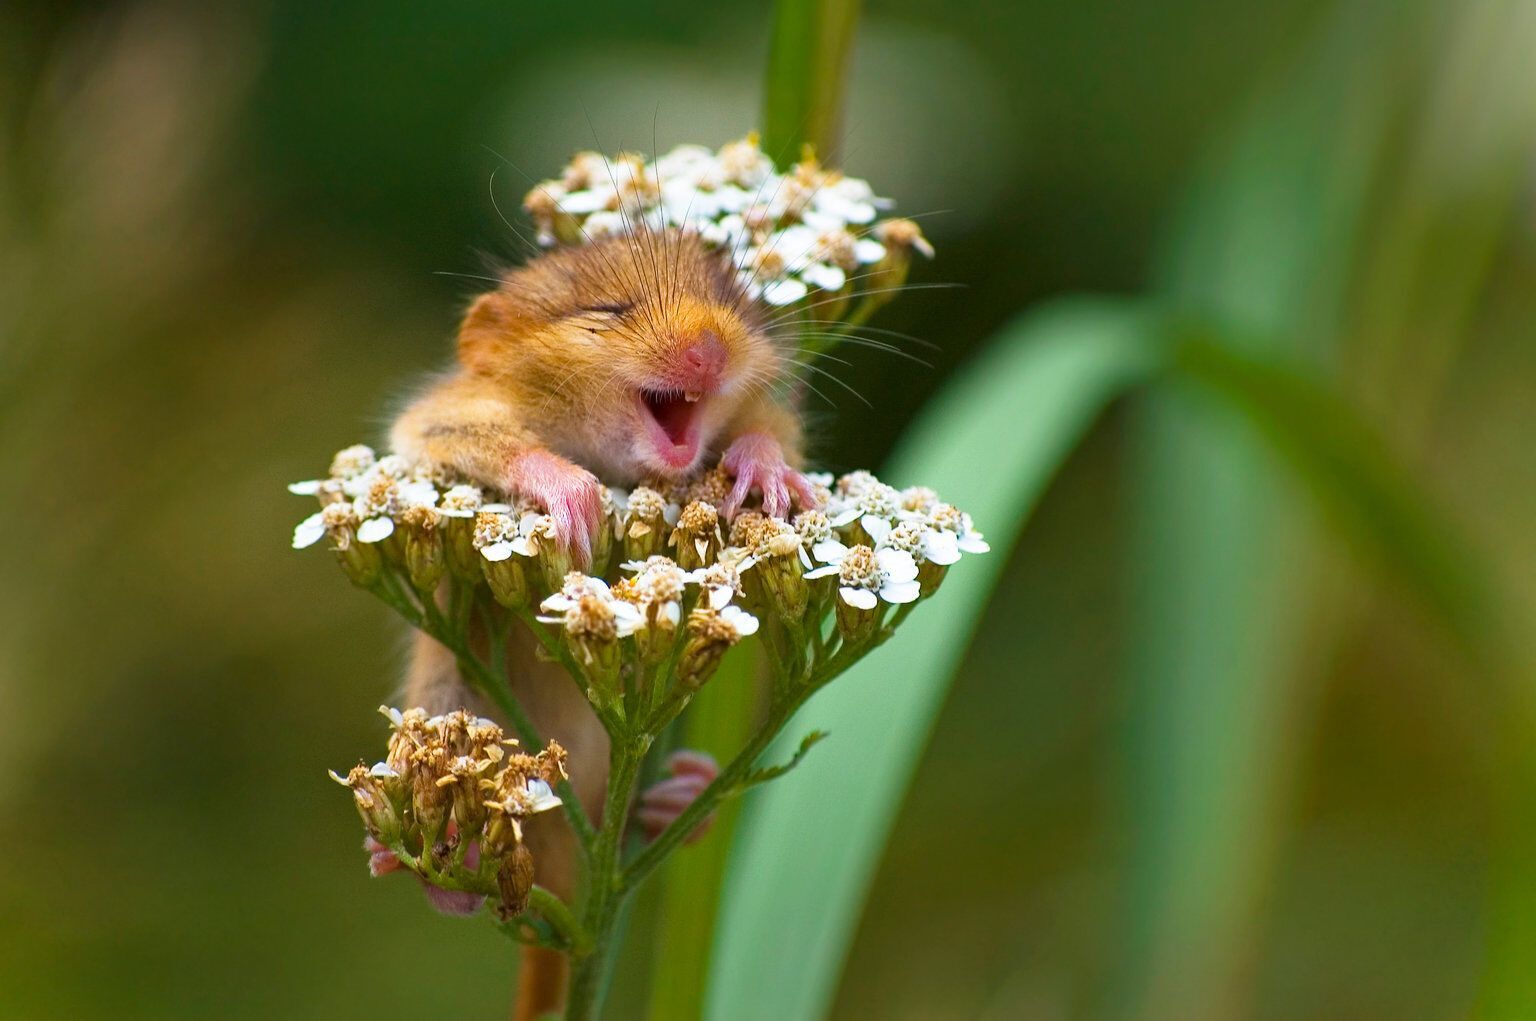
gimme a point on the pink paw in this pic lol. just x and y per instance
(757, 461)
(382, 861)
(568, 493)
(663, 802)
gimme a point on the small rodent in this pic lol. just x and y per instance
(633, 358)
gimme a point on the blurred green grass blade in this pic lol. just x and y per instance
(718, 722)
(807, 69)
(1347, 466)
(810, 842)
(1222, 549)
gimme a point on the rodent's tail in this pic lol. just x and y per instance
(540, 984)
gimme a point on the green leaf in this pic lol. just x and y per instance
(810, 843)
(1235, 602)
(766, 773)
(807, 70)
(1358, 481)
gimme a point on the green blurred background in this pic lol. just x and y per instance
(1204, 760)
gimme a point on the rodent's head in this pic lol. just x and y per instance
(629, 353)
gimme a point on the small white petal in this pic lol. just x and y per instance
(974, 543)
(579, 203)
(901, 592)
(867, 250)
(822, 572)
(941, 548)
(784, 292)
(375, 530)
(308, 532)
(744, 623)
(423, 493)
(497, 551)
(541, 796)
(828, 278)
(829, 551)
(862, 598)
(878, 528)
(309, 488)
(897, 564)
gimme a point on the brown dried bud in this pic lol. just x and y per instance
(514, 882)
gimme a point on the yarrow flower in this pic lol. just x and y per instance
(448, 802)
(867, 576)
(453, 527)
(808, 230)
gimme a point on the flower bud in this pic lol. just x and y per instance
(371, 796)
(457, 510)
(900, 238)
(463, 782)
(696, 539)
(645, 532)
(514, 882)
(425, 560)
(713, 487)
(657, 592)
(858, 608)
(782, 574)
(554, 225)
(360, 561)
(710, 633)
(430, 800)
(549, 554)
(603, 538)
(593, 630)
(496, 540)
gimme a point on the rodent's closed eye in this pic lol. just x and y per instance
(616, 308)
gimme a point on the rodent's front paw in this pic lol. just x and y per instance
(757, 461)
(567, 492)
(663, 802)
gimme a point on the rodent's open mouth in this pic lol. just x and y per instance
(674, 417)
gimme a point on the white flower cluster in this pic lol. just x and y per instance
(791, 234)
(667, 571)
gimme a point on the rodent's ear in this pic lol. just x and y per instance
(483, 333)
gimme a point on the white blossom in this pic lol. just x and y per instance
(793, 233)
(867, 576)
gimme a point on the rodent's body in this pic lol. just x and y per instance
(626, 360)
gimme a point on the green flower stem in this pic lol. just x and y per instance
(558, 914)
(605, 893)
(733, 778)
(807, 64)
(727, 783)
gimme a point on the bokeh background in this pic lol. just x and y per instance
(1205, 759)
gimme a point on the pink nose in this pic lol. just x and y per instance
(701, 363)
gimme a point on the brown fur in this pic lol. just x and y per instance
(552, 359)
